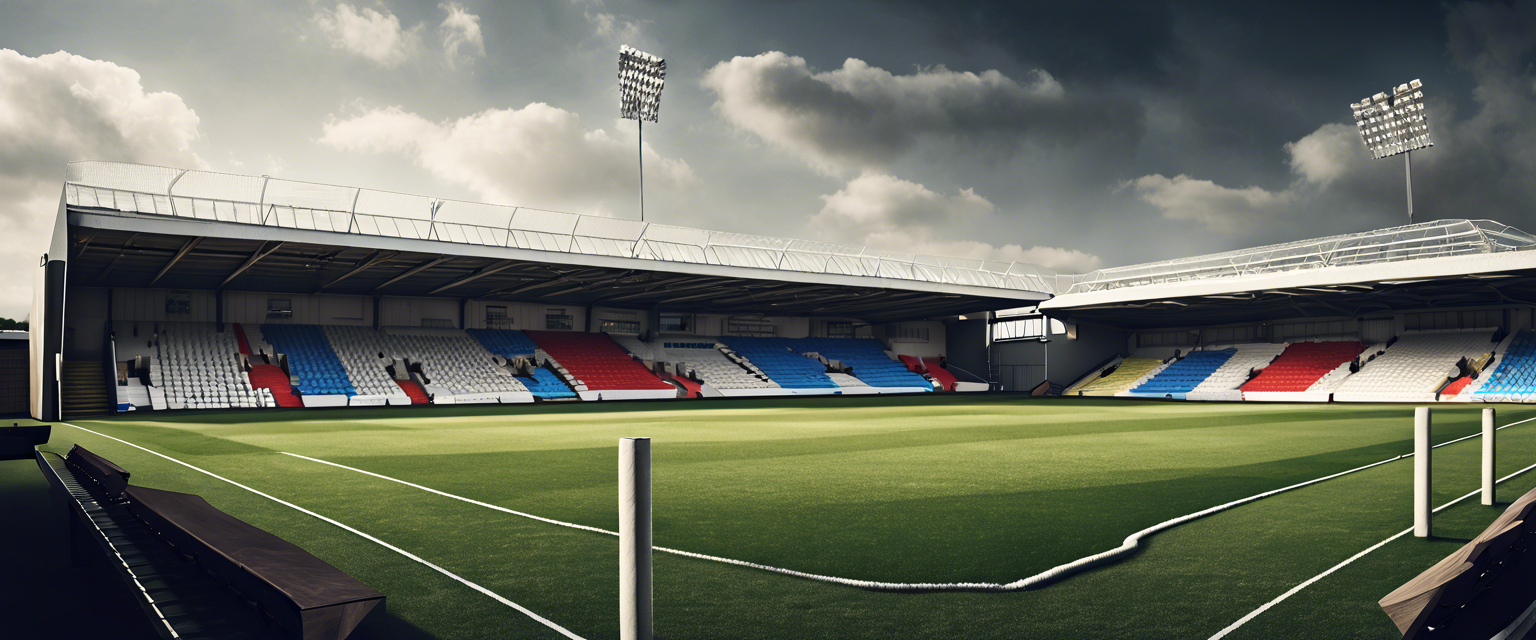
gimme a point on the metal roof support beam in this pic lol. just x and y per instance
(185, 249)
(660, 287)
(415, 270)
(366, 264)
(493, 269)
(261, 252)
(769, 294)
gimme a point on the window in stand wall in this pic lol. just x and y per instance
(279, 309)
(178, 303)
(677, 323)
(558, 320)
(496, 317)
(839, 329)
(619, 326)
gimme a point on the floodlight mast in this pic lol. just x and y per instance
(641, 78)
(1395, 125)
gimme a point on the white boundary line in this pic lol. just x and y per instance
(1035, 581)
(546, 622)
(1296, 589)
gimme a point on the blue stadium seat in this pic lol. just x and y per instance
(311, 361)
(546, 384)
(868, 361)
(1514, 376)
(779, 358)
(1183, 376)
(504, 342)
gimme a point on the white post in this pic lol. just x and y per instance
(1488, 454)
(635, 539)
(1408, 177)
(1422, 511)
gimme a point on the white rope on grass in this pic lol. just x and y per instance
(1035, 581)
(1297, 589)
(542, 620)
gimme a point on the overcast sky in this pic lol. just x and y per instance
(1062, 134)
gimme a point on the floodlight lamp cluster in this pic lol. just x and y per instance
(641, 78)
(1390, 125)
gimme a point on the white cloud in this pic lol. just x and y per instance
(367, 32)
(1325, 155)
(609, 26)
(606, 25)
(60, 107)
(884, 212)
(861, 117)
(537, 156)
(1221, 208)
(462, 40)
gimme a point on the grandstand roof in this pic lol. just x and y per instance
(1432, 265)
(138, 226)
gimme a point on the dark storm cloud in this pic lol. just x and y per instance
(860, 116)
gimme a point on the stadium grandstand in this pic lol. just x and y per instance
(168, 289)
(1432, 312)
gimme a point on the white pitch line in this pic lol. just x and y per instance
(493, 595)
(1035, 581)
(1296, 589)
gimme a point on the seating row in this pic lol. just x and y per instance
(867, 361)
(1302, 365)
(1235, 372)
(312, 362)
(199, 367)
(779, 359)
(1122, 378)
(1513, 378)
(1183, 375)
(597, 362)
(1418, 363)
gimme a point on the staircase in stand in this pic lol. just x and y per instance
(267, 376)
(84, 388)
(418, 395)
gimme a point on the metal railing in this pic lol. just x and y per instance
(1412, 242)
(272, 202)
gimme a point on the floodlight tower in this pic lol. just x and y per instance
(641, 77)
(1395, 125)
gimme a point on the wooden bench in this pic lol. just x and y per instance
(196, 571)
(1485, 588)
(297, 591)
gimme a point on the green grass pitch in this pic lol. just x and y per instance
(910, 489)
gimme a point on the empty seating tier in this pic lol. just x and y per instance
(311, 360)
(1184, 375)
(1513, 378)
(1235, 372)
(199, 367)
(597, 361)
(702, 359)
(362, 355)
(451, 361)
(778, 358)
(1302, 365)
(1415, 367)
(867, 360)
(1122, 378)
